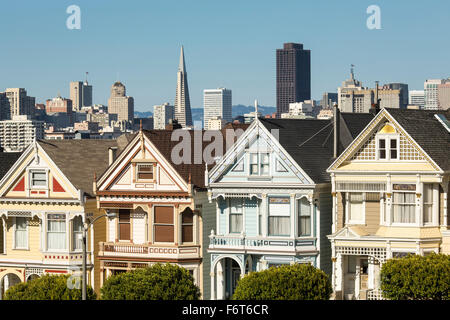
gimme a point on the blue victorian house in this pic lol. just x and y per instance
(273, 197)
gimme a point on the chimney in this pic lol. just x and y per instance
(336, 130)
(173, 125)
(376, 105)
(112, 154)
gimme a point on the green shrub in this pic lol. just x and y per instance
(47, 287)
(417, 277)
(290, 282)
(158, 282)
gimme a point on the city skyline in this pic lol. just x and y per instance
(149, 69)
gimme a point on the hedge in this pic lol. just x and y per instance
(416, 277)
(47, 287)
(157, 282)
(290, 282)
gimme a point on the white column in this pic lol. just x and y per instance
(339, 273)
(293, 215)
(419, 201)
(213, 285)
(444, 186)
(220, 280)
(436, 201)
(264, 215)
(388, 200)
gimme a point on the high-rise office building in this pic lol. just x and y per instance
(404, 93)
(162, 114)
(59, 105)
(182, 102)
(293, 75)
(16, 102)
(444, 95)
(431, 93)
(87, 94)
(328, 100)
(18, 133)
(4, 107)
(80, 94)
(353, 97)
(417, 98)
(120, 104)
(216, 103)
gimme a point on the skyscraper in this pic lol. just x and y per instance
(216, 103)
(431, 93)
(162, 114)
(76, 95)
(404, 93)
(80, 94)
(120, 104)
(182, 102)
(87, 94)
(293, 75)
(417, 98)
(18, 103)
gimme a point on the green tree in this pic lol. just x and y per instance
(417, 277)
(290, 282)
(47, 287)
(157, 282)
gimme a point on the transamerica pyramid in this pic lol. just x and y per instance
(182, 102)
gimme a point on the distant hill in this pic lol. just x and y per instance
(197, 113)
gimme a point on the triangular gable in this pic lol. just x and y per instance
(121, 174)
(16, 182)
(234, 155)
(363, 147)
(348, 232)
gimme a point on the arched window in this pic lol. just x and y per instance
(187, 225)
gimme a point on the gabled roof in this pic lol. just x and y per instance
(80, 159)
(427, 131)
(7, 160)
(310, 141)
(162, 140)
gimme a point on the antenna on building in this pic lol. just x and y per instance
(87, 77)
(256, 108)
(352, 73)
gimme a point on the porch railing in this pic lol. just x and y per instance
(148, 250)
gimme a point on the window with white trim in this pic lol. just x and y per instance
(259, 164)
(427, 203)
(144, 171)
(304, 217)
(355, 207)
(236, 215)
(77, 226)
(387, 147)
(403, 207)
(38, 179)
(56, 231)
(279, 216)
(21, 233)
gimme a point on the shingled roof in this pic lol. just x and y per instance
(310, 141)
(80, 159)
(427, 131)
(162, 140)
(7, 160)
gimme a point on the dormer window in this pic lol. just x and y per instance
(144, 172)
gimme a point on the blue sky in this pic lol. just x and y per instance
(227, 44)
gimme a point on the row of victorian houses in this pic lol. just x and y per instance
(344, 194)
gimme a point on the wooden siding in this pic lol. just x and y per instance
(251, 217)
(340, 208)
(372, 217)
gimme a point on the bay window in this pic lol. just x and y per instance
(163, 224)
(236, 214)
(56, 231)
(304, 217)
(355, 207)
(403, 207)
(279, 216)
(427, 203)
(21, 233)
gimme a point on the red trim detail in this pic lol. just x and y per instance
(55, 271)
(20, 186)
(57, 187)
